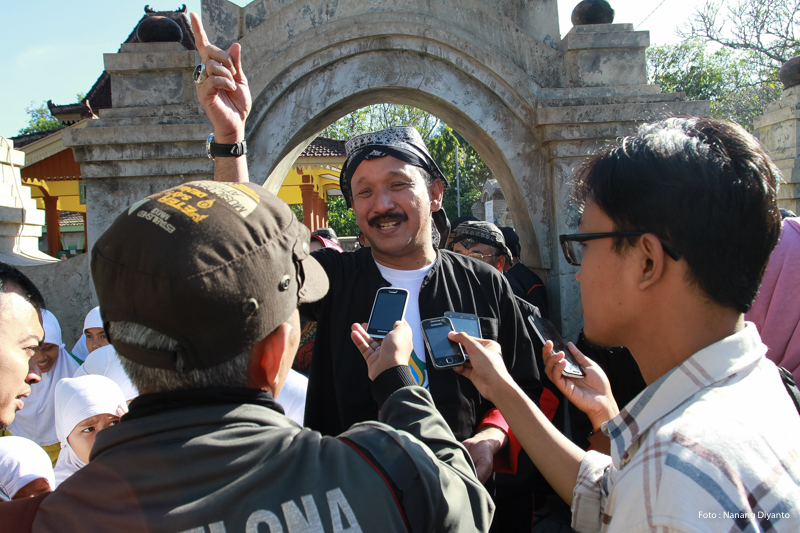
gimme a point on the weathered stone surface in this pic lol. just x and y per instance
(67, 291)
(605, 54)
(779, 130)
(496, 71)
(20, 221)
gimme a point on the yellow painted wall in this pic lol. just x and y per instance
(322, 179)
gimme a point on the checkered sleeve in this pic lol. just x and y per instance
(590, 493)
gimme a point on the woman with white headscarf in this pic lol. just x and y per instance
(25, 468)
(105, 362)
(37, 420)
(94, 336)
(84, 406)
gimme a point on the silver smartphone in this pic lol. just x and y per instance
(546, 331)
(389, 307)
(466, 322)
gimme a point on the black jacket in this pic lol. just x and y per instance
(528, 286)
(339, 389)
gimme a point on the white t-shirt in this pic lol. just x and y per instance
(411, 280)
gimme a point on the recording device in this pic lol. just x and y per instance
(444, 352)
(546, 331)
(466, 322)
(388, 308)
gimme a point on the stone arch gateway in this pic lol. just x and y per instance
(532, 103)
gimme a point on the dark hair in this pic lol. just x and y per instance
(704, 186)
(11, 275)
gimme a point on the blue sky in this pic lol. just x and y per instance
(54, 49)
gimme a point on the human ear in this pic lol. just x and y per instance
(267, 357)
(436, 191)
(651, 261)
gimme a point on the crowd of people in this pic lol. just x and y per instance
(227, 381)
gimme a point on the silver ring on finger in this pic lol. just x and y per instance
(200, 74)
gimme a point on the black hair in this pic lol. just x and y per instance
(704, 186)
(512, 240)
(9, 274)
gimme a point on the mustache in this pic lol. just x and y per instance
(388, 217)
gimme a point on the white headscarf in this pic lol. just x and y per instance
(92, 320)
(76, 400)
(23, 461)
(36, 421)
(105, 362)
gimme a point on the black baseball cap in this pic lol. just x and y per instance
(214, 266)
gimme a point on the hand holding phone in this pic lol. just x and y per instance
(546, 331)
(444, 352)
(389, 307)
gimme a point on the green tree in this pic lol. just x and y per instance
(473, 171)
(40, 120)
(728, 79)
(341, 219)
(380, 116)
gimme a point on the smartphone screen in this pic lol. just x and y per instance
(388, 308)
(444, 352)
(546, 331)
(466, 322)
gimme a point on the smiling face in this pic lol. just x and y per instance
(95, 338)
(20, 335)
(393, 207)
(605, 287)
(81, 439)
(47, 356)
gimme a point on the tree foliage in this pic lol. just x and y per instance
(380, 116)
(341, 219)
(39, 120)
(767, 29)
(729, 79)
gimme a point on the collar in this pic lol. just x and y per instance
(150, 404)
(709, 366)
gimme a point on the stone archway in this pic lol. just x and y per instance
(498, 71)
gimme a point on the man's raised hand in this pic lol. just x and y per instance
(591, 394)
(395, 350)
(224, 95)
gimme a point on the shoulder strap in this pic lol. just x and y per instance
(791, 387)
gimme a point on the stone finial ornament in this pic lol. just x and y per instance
(158, 29)
(790, 73)
(592, 12)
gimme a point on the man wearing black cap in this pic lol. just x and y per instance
(199, 287)
(395, 188)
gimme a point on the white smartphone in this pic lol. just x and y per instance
(389, 307)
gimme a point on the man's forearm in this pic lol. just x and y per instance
(231, 169)
(556, 457)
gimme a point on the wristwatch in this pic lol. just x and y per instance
(224, 150)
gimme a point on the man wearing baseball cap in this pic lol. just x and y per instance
(395, 189)
(199, 287)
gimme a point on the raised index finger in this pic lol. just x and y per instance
(200, 37)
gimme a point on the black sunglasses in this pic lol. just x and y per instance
(574, 253)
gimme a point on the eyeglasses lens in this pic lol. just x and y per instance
(573, 251)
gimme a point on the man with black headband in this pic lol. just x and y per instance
(482, 241)
(395, 188)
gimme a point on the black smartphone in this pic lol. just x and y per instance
(466, 322)
(444, 352)
(389, 307)
(546, 331)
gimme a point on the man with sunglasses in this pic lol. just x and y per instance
(676, 228)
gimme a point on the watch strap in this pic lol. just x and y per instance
(224, 150)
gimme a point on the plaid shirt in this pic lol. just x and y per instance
(712, 446)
